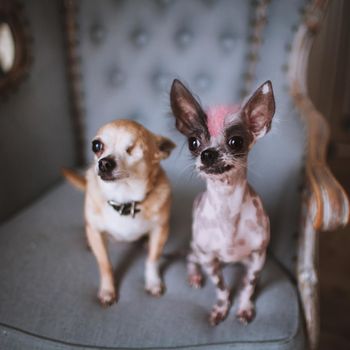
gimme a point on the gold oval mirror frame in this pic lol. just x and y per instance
(15, 56)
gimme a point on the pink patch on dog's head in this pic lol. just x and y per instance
(216, 117)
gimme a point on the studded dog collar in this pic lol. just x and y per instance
(125, 209)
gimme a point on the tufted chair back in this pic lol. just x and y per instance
(222, 49)
(132, 50)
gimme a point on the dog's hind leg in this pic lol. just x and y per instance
(106, 294)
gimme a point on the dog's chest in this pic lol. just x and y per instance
(228, 226)
(123, 227)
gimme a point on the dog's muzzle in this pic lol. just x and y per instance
(106, 166)
(209, 156)
(212, 163)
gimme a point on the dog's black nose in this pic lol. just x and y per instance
(106, 165)
(209, 156)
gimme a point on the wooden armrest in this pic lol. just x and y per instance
(331, 200)
(326, 205)
(332, 203)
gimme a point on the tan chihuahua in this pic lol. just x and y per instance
(127, 196)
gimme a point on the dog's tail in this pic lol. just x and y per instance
(75, 179)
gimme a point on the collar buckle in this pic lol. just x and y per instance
(125, 209)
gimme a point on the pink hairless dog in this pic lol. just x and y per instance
(229, 221)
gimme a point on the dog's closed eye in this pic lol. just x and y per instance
(130, 149)
(135, 152)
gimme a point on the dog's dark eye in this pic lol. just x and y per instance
(97, 146)
(235, 143)
(193, 144)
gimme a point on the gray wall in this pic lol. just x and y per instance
(329, 72)
(36, 136)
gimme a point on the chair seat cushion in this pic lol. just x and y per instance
(49, 281)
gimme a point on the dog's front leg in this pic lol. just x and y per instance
(246, 309)
(106, 294)
(157, 239)
(222, 306)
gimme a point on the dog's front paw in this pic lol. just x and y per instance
(154, 284)
(246, 315)
(156, 289)
(196, 280)
(107, 297)
(219, 312)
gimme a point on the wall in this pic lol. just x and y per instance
(329, 74)
(36, 139)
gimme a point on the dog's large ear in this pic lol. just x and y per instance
(189, 115)
(164, 147)
(258, 112)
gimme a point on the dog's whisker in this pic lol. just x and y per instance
(121, 173)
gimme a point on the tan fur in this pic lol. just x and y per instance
(75, 179)
(137, 152)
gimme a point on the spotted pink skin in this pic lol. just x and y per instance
(216, 118)
(230, 225)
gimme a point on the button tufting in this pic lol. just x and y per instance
(161, 81)
(203, 82)
(164, 3)
(140, 37)
(183, 38)
(97, 33)
(116, 77)
(227, 41)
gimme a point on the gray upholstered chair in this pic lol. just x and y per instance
(93, 61)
